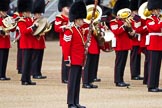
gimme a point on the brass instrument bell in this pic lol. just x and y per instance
(143, 11)
(97, 16)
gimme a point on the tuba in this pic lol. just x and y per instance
(143, 11)
(100, 35)
(125, 14)
(98, 13)
(43, 27)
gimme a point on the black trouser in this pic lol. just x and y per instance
(37, 62)
(91, 68)
(120, 62)
(74, 84)
(3, 61)
(146, 61)
(27, 64)
(19, 58)
(135, 61)
(64, 70)
(154, 68)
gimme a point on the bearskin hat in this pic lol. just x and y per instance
(64, 3)
(77, 10)
(140, 2)
(152, 4)
(24, 5)
(4, 5)
(133, 5)
(38, 6)
(88, 2)
(120, 4)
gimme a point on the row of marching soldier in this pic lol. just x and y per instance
(30, 47)
(61, 23)
(139, 34)
(128, 27)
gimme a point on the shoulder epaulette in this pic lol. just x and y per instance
(16, 13)
(21, 19)
(113, 20)
(70, 29)
(59, 16)
(150, 18)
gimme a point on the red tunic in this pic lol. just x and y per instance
(122, 40)
(94, 47)
(135, 41)
(39, 43)
(73, 46)
(142, 30)
(26, 38)
(61, 20)
(4, 39)
(154, 28)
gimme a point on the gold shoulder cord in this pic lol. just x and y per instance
(80, 35)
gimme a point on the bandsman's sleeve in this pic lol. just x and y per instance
(66, 47)
(58, 24)
(152, 25)
(24, 29)
(115, 28)
(142, 28)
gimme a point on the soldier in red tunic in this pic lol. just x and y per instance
(16, 16)
(123, 44)
(39, 42)
(61, 23)
(91, 66)
(73, 50)
(135, 56)
(142, 29)
(4, 40)
(27, 28)
(154, 25)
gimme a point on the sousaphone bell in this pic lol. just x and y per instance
(143, 11)
(98, 13)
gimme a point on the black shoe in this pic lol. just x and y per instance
(28, 83)
(97, 80)
(93, 86)
(72, 106)
(19, 72)
(87, 86)
(5, 78)
(137, 78)
(122, 84)
(39, 77)
(79, 106)
(154, 90)
(144, 83)
(65, 81)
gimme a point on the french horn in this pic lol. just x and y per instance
(9, 24)
(43, 27)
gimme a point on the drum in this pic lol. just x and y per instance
(108, 37)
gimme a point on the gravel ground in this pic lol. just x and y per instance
(51, 93)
